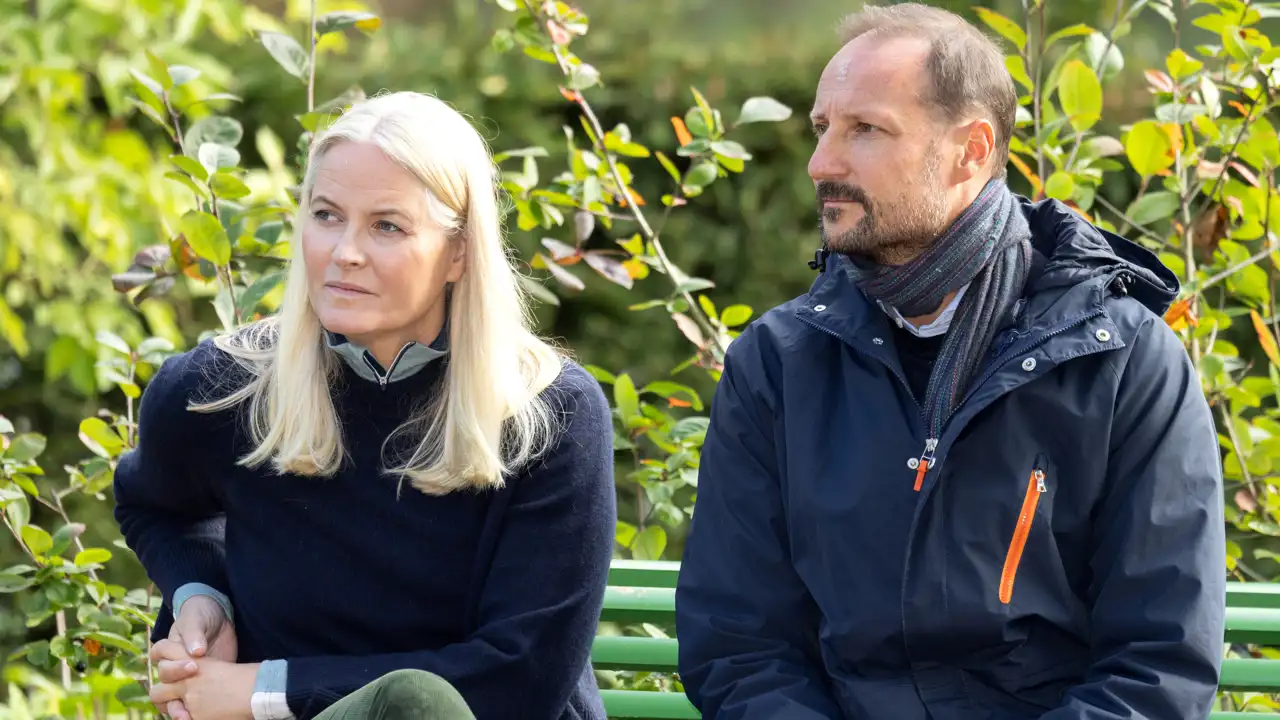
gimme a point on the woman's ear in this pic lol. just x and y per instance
(458, 259)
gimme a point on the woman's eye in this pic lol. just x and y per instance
(322, 215)
(384, 226)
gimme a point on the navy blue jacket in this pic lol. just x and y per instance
(1064, 557)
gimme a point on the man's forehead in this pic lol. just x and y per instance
(872, 69)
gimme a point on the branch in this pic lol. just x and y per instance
(645, 229)
(1256, 257)
(311, 65)
(1097, 71)
(1235, 445)
(1128, 220)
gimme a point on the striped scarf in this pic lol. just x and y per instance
(989, 245)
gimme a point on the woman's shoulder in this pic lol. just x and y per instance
(575, 391)
(202, 374)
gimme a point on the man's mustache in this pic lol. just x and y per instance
(831, 190)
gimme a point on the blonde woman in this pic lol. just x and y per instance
(392, 499)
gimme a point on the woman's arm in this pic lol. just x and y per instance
(167, 509)
(544, 589)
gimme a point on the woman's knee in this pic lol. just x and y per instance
(418, 694)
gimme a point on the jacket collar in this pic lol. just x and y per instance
(412, 357)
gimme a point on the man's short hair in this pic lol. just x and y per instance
(964, 72)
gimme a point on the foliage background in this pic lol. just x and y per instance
(83, 188)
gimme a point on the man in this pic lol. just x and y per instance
(971, 474)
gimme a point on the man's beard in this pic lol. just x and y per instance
(889, 233)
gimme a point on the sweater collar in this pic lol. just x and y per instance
(412, 357)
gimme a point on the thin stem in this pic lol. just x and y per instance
(1235, 445)
(1188, 229)
(1129, 222)
(1225, 274)
(18, 536)
(311, 66)
(1097, 70)
(1034, 67)
(60, 618)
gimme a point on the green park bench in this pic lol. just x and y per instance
(644, 592)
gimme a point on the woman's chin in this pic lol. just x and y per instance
(350, 324)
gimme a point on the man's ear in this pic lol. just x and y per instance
(977, 141)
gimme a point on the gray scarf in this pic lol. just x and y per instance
(989, 245)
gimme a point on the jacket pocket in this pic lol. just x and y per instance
(1035, 488)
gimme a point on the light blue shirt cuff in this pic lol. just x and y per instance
(190, 590)
(270, 701)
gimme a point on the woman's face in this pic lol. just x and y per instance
(377, 264)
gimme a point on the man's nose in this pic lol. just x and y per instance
(827, 163)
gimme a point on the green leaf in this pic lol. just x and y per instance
(1112, 63)
(341, 20)
(1060, 186)
(701, 175)
(18, 511)
(1179, 113)
(667, 389)
(625, 397)
(64, 536)
(26, 447)
(730, 149)
(1079, 30)
(6, 427)
(253, 294)
(216, 129)
(186, 180)
(215, 157)
(36, 539)
(227, 185)
(100, 438)
(190, 166)
(1181, 65)
(650, 544)
(287, 52)
(735, 315)
(207, 237)
(761, 109)
(109, 339)
(159, 71)
(1007, 28)
(582, 76)
(1148, 148)
(92, 556)
(11, 582)
(668, 166)
(1081, 95)
(183, 74)
(1153, 206)
(1017, 68)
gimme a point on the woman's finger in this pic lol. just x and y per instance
(176, 710)
(165, 693)
(173, 671)
(168, 650)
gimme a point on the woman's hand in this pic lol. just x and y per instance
(202, 629)
(203, 688)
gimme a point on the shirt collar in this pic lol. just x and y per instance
(939, 326)
(411, 358)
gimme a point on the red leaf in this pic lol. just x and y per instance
(571, 95)
(560, 251)
(677, 402)
(1246, 173)
(1208, 169)
(152, 256)
(611, 269)
(559, 35)
(1245, 501)
(562, 276)
(682, 132)
(1159, 80)
(689, 328)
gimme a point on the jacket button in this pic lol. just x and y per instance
(878, 341)
(1103, 335)
(1029, 364)
(913, 463)
(819, 308)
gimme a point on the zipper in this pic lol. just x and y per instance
(383, 378)
(1036, 487)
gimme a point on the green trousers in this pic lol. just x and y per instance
(401, 695)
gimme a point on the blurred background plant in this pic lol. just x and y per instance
(654, 155)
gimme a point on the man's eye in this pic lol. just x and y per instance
(818, 130)
(865, 127)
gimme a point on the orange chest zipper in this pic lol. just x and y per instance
(1035, 488)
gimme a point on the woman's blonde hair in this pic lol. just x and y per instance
(490, 417)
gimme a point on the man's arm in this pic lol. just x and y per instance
(544, 587)
(1159, 590)
(746, 622)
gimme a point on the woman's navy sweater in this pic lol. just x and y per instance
(498, 592)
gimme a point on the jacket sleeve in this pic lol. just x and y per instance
(168, 512)
(543, 587)
(1158, 596)
(746, 622)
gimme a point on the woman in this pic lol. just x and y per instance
(408, 478)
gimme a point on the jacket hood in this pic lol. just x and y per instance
(1075, 251)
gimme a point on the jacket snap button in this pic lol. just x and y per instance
(877, 341)
(1103, 335)
(1029, 364)
(819, 308)
(913, 463)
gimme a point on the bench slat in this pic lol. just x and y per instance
(649, 705)
(635, 653)
(644, 573)
(639, 605)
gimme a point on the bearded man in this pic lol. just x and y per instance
(971, 474)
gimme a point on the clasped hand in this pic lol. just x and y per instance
(198, 676)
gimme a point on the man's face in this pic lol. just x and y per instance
(877, 166)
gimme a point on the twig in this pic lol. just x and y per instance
(1256, 257)
(1184, 207)
(1034, 65)
(60, 619)
(1128, 220)
(21, 543)
(1231, 155)
(1235, 444)
(1097, 71)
